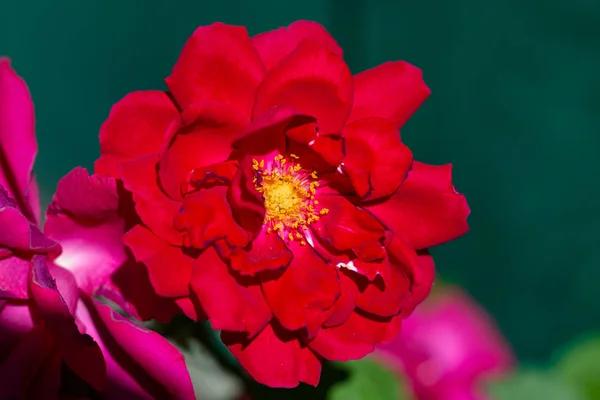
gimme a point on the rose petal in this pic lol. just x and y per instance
(345, 304)
(312, 80)
(246, 202)
(376, 160)
(205, 138)
(345, 226)
(136, 126)
(18, 145)
(420, 290)
(275, 45)
(302, 296)
(154, 208)
(392, 91)
(13, 278)
(85, 219)
(266, 252)
(426, 209)
(231, 303)
(206, 216)
(218, 63)
(355, 338)
(80, 352)
(140, 362)
(169, 268)
(275, 358)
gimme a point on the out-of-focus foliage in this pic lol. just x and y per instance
(580, 366)
(534, 385)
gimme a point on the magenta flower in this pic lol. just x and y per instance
(56, 340)
(448, 347)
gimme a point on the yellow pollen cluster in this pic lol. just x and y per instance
(289, 196)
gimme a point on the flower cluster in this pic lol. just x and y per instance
(268, 191)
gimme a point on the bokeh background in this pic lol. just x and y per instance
(514, 107)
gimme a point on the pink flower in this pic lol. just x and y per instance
(448, 347)
(56, 340)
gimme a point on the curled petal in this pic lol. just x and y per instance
(266, 252)
(345, 304)
(218, 63)
(302, 296)
(156, 210)
(18, 145)
(346, 227)
(391, 91)
(275, 357)
(136, 126)
(246, 202)
(231, 304)
(275, 45)
(204, 138)
(376, 161)
(426, 209)
(81, 353)
(169, 268)
(420, 290)
(355, 338)
(206, 217)
(312, 80)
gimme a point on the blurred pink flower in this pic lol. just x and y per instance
(56, 340)
(448, 348)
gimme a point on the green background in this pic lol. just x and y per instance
(516, 95)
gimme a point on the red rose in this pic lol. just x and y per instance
(276, 196)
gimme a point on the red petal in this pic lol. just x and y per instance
(420, 290)
(345, 304)
(303, 295)
(168, 267)
(136, 126)
(392, 91)
(212, 175)
(345, 226)
(274, 46)
(246, 202)
(208, 132)
(231, 304)
(426, 209)
(356, 338)
(266, 252)
(266, 133)
(154, 208)
(387, 298)
(376, 160)
(312, 80)
(218, 63)
(275, 357)
(206, 217)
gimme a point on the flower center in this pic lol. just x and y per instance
(289, 195)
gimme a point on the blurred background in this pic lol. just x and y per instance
(514, 107)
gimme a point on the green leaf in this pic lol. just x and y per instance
(534, 385)
(368, 380)
(580, 365)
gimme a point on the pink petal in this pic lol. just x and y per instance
(85, 219)
(18, 146)
(147, 357)
(80, 352)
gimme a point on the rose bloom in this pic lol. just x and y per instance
(448, 348)
(56, 340)
(277, 199)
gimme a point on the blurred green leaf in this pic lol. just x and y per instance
(534, 385)
(368, 380)
(580, 365)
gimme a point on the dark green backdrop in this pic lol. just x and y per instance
(515, 108)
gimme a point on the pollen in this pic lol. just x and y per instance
(289, 192)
